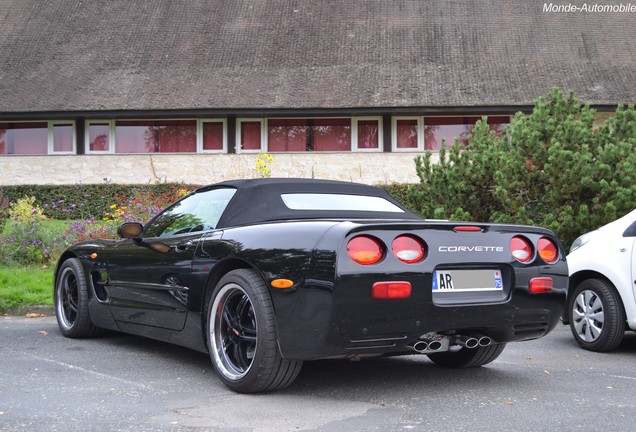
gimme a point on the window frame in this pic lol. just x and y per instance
(50, 137)
(199, 132)
(112, 142)
(353, 145)
(263, 121)
(111, 137)
(478, 116)
(354, 134)
(420, 134)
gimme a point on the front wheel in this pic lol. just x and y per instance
(468, 357)
(242, 336)
(597, 318)
(71, 301)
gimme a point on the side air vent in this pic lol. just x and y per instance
(535, 329)
(376, 342)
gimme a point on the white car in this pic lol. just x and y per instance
(601, 301)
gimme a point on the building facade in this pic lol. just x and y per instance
(195, 91)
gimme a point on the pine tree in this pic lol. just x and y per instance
(552, 168)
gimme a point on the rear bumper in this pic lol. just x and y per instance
(342, 320)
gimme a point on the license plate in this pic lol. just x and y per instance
(467, 280)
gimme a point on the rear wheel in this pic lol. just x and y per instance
(597, 318)
(468, 357)
(242, 336)
(71, 301)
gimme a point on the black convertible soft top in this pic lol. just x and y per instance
(259, 200)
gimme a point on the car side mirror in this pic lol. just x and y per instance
(131, 230)
(134, 230)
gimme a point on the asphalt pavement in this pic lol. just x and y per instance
(127, 383)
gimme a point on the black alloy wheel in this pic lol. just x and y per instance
(242, 336)
(71, 301)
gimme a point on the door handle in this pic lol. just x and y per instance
(184, 246)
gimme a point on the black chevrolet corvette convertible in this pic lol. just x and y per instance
(265, 274)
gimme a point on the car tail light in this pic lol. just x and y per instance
(408, 249)
(540, 285)
(365, 250)
(466, 228)
(521, 249)
(548, 251)
(391, 290)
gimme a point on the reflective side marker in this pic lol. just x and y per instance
(390, 290)
(540, 285)
(282, 283)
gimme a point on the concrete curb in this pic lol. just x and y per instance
(30, 311)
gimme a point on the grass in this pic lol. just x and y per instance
(54, 225)
(21, 287)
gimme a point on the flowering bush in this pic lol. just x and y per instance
(24, 210)
(140, 206)
(30, 238)
(91, 229)
(65, 209)
(24, 241)
(262, 167)
(143, 205)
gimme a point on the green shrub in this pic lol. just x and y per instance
(82, 201)
(4, 208)
(25, 210)
(30, 242)
(552, 168)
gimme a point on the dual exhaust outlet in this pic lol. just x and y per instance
(473, 342)
(430, 346)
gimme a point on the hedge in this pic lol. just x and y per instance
(81, 201)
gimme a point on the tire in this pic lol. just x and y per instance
(468, 357)
(242, 336)
(597, 317)
(71, 301)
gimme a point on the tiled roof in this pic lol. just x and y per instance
(86, 55)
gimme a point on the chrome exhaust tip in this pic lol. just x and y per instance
(484, 341)
(467, 342)
(420, 346)
(435, 346)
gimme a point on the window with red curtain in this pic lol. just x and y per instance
(213, 136)
(62, 137)
(287, 135)
(437, 129)
(162, 136)
(331, 134)
(368, 134)
(406, 133)
(251, 135)
(98, 136)
(24, 138)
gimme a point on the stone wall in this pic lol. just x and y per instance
(370, 168)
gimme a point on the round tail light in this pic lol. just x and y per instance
(548, 250)
(408, 249)
(365, 250)
(521, 249)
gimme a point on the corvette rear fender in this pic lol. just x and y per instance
(220, 270)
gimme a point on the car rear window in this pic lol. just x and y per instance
(321, 201)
